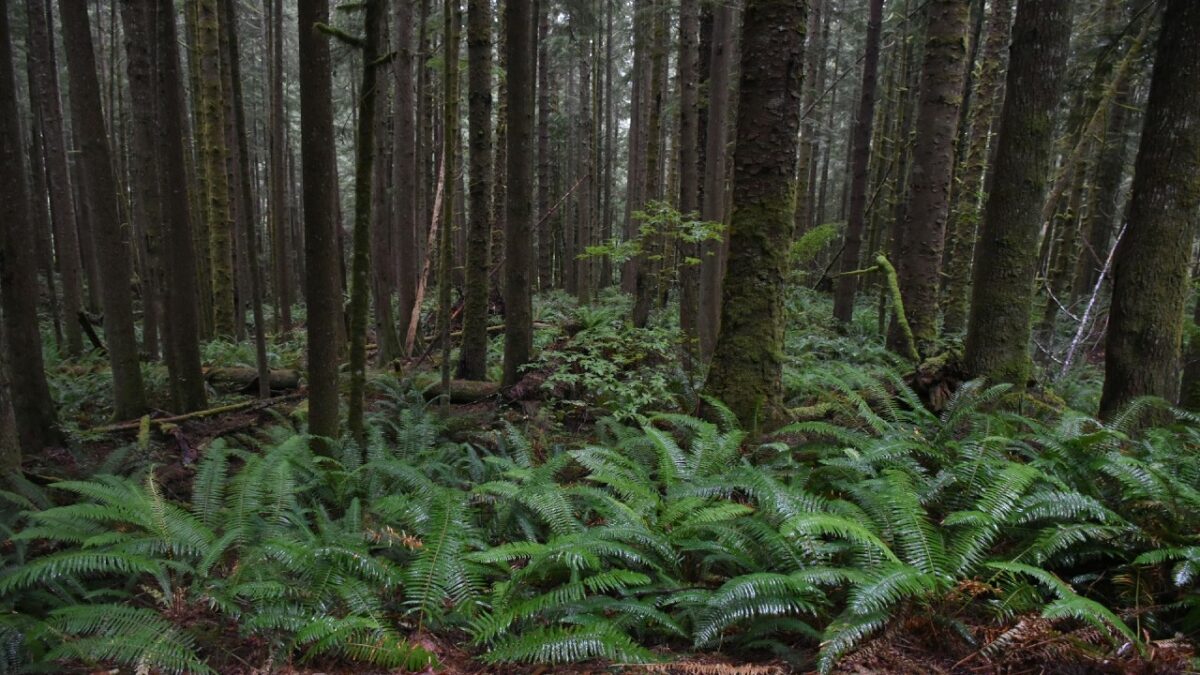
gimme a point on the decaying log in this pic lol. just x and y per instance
(245, 380)
(464, 391)
(243, 406)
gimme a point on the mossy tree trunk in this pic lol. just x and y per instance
(1150, 269)
(35, 419)
(322, 289)
(846, 287)
(923, 239)
(364, 175)
(998, 330)
(472, 363)
(111, 238)
(747, 364)
(969, 192)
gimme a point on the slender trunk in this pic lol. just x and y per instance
(544, 234)
(1150, 269)
(406, 169)
(712, 207)
(647, 278)
(281, 245)
(451, 20)
(129, 399)
(689, 178)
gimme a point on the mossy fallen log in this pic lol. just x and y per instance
(245, 380)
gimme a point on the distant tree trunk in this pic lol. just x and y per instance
(1189, 395)
(712, 207)
(518, 234)
(186, 382)
(499, 187)
(814, 53)
(383, 233)
(246, 201)
(406, 168)
(689, 178)
(129, 399)
(846, 286)
(473, 362)
(583, 266)
(10, 442)
(1150, 269)
(634, 173)
(62, 206)
(747, 364)
(281, 244)
(969, 193)
(33, 408)
(451, 20)
(544, 234)
(651, 174)
(320, 237)
(998, 330)
(364, 176)
(39, 214)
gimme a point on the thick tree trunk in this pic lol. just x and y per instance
(518, 234)
(112, 239)
(40, 52)
(847, 286)
(998, 330)
(34, 410)
(747, 364)
(1150, 269)
(473, 362)
(969, 193)
(406, 168)
(920, 263)
(651, 173)
(384, 234)
(320, 237)
(364, 176)
(451, 20)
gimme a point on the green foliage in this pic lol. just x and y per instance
(662, 534)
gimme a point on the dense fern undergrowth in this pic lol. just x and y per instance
(649, 537)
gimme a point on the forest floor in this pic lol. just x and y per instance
(591, 371)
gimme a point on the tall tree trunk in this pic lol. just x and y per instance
(40, 51)
(583, 265)
(281, 244)
(406, 169)
(364, 176)
(39, 214)
(1105, 191)
(712, 207)
(1150, 269)
(129, 399)
(320, 237)
(473, 362)
(33, 409)
(451, 20)
(545, 236)
(647, 278)
(518, 234)
(846, 286)
(246, 200)
(814, 53)
(998, 330)
(689, 178)
(384, 236)
(186, 381)
(943, 71)
(747, 365)
(969, 194)
(634, 173)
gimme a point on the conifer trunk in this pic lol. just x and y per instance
(472, 364)
(518, 234)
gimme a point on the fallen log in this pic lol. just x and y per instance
(243, 406)
(464, 391)
(245, 380)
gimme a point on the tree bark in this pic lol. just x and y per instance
(405, 168)
(920, 263)
(1150, 269)
(112, 240)
(36, 422)
(846, 287)
(320, 237)
(518, 234)
(747, 364)
(281, 245)
(62, 206)
(998, 330)
(712, 207)
(689, 168)
(969, 194)
(473, 361)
